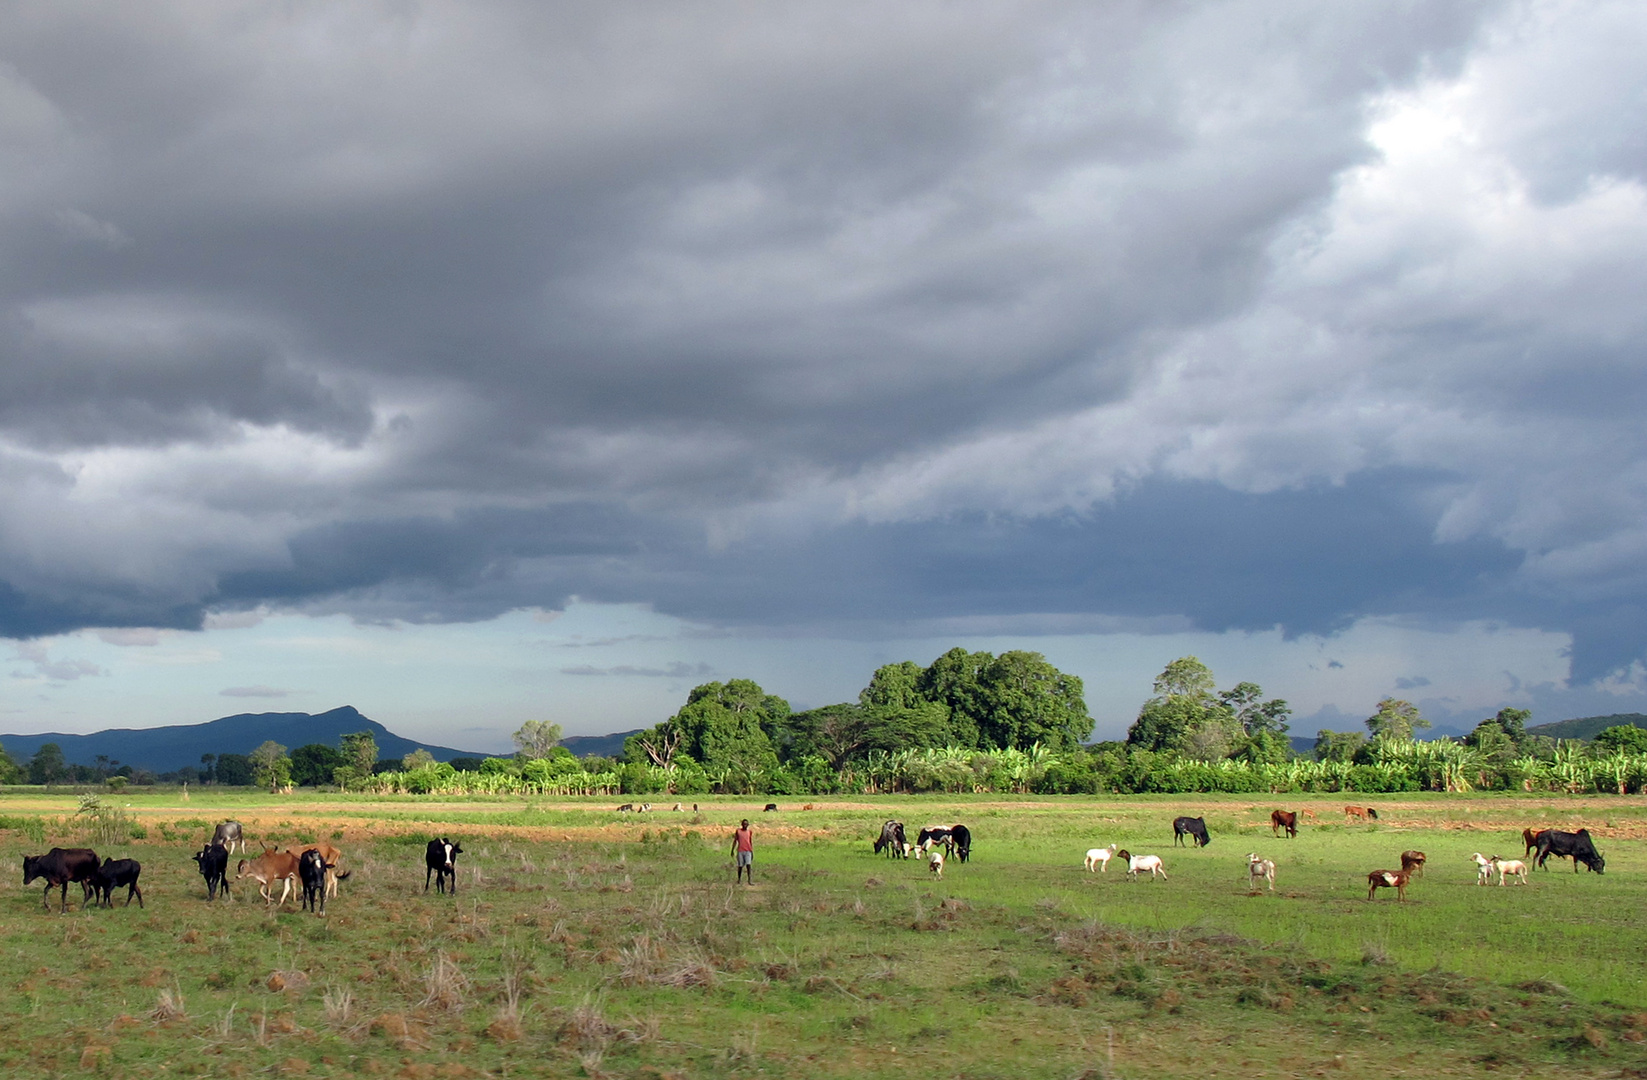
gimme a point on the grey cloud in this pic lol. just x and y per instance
(872, 318)
(677, 670)
(1411, 683)
(254, 692)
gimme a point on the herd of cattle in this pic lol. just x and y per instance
(1541, 844)
(312, 869)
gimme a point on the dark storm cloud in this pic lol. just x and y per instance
(800, 316)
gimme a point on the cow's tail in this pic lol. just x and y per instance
(342, 875)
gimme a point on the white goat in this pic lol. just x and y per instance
(1258, 868)
(1483, 869)
(1098, 858)
(1137, 864)
(1506, 867)
(935, 863)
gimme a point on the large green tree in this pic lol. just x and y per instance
(955, 680)
(1185, 713)
(314, 763)
(1028, 701)
(898, 716)
(271, 768)
(536, 738)
(1396, 719)
(723, 727)
(48, 765)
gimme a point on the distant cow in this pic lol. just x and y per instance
(892, 840)
(313, 871)
(1192, 827)
(115, 873)
(1577, 846)
(59, 867)
(1388, 879)
(268, 868)
(441, 860)
(1360, 813)
(229, 834)
(770, 807)
(1283, 819)
(213, 861)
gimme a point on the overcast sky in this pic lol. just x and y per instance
(476, 362)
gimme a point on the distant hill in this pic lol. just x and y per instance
(598, 745)
(1587, 727)
(165, 749)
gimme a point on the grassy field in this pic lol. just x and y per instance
(585, 943)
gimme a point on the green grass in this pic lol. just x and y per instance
(585, 943)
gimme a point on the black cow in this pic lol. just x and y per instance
(214, 867)
(1193, 827)
(441, 859)
(1577, 846)
(311, 871)
(59, 866)
(229, 834)
(770, 807)
(962, 838)
(892, 840)
(112, 875)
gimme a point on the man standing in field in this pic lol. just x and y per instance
(743, 850)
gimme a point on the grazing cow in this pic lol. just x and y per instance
(677, 808)
(1388, 879)
(1308, 813)
(314, 871)
(113, 874)
(960, 838)
(1359, 813)
(268, 868)
(1137, 864)
(1483, 869)
(441, 860)
(1259, 869)
(770, 807)
(935, 863)
(1577, 846)
(213, 861)
(1412, 862)
(229, 834)
(1529, 841)
(626, 808)
(1098, 858)
(1506, 867)
(59, 866)
(931, 836)
(1282, 819)
(1192, 827)
(892, 840)
(331, 856)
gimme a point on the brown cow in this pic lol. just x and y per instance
(1356, 812)
(1388, 879)
(1529, 837)
(1412, 862)
(1282, 819)
(268, 868)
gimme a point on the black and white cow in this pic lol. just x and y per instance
(213, 861)
(892, 841)
(441, 859)
(934, 836)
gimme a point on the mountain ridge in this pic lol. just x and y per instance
(169, 748)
